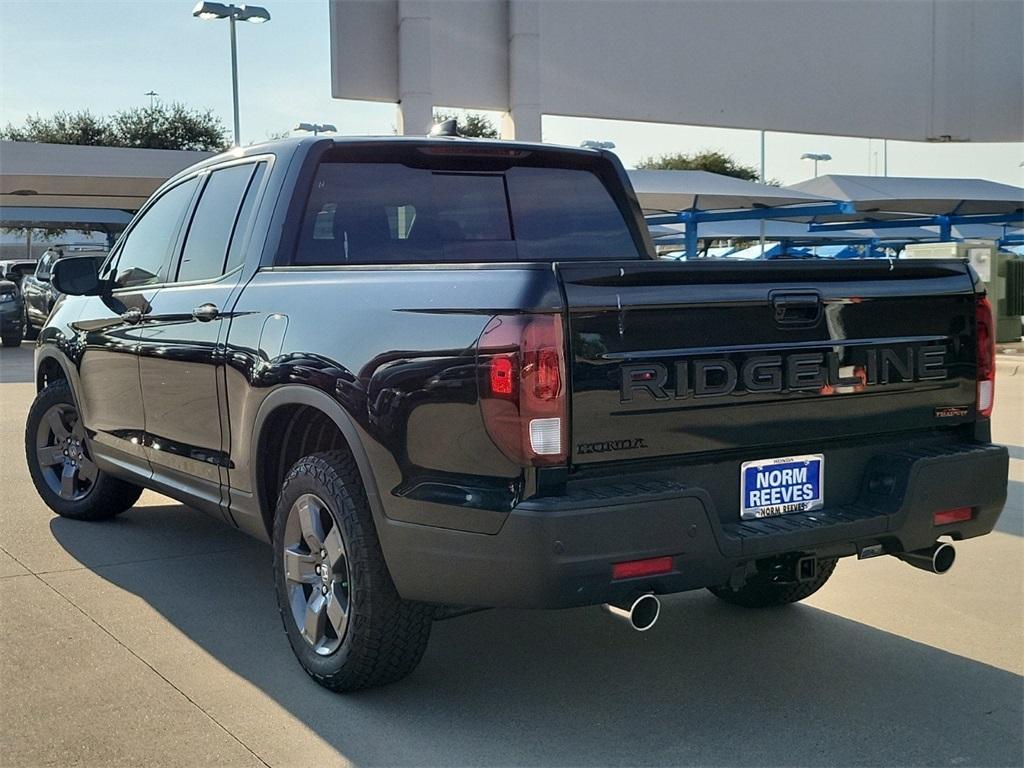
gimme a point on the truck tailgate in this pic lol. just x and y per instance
(670, 358)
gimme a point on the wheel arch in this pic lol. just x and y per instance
(51, 367)
(298, 408)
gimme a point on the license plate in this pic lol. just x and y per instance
(773, 487)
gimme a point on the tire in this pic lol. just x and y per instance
(60, 463)
(761, 592)
(13, 339)
(30, 332)
(361, 633)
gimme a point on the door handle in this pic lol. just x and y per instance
(132, 316)
(204, 313)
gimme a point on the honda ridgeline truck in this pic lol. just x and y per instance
(441, 374)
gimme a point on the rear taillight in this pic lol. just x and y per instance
(986, 340)
(523, 387)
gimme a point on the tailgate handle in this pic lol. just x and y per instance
(795, 308)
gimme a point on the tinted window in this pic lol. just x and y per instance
(235, 253)
(206, 243)
(566, 214)
(44, 267)
(367, 213)
(146, 251)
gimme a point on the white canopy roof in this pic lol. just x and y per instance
(672, 191)
(920, 196)
(34, 175)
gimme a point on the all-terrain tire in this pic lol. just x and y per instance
(105, 497)
(762, 593)
(385, 636)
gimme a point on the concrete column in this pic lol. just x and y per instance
(522, 121)
(415, 80)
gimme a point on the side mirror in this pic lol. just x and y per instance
(17, 271)
(77, 276)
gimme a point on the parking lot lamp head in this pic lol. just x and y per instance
(816, 157)
(251, 13)
(315, 128)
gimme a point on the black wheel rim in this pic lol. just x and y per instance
(62, 453)
(315, 568)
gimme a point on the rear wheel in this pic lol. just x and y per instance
(343, 616)
(763, 591)
(13, 339)
(61, 465)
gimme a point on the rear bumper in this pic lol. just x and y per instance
(558, 551)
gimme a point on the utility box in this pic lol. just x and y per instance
(1002, 273)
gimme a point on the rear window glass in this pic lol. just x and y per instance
(378, 213)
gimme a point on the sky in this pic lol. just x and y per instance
(104, 56)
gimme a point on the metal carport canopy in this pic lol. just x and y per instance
(28, 216)
(672, 191)
(888, 196)
(36, 175)
(665, 234)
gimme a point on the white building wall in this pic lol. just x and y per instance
(900, 69)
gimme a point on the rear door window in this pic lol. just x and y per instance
(209, 234)
(378, 213)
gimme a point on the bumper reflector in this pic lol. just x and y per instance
(947, 516)
(633, 568)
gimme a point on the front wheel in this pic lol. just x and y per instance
(61, 465)
(761, 591)
(345, 621)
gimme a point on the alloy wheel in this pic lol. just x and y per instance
(316, 574)
(63, 453)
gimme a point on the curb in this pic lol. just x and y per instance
(1009, 366)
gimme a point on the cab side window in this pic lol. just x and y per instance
(215, 220)
(146, 251)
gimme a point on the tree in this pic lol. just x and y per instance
(471, 124)
(161, 126)
(705, 160)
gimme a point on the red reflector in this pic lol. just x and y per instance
(501, 375)
(633, 568)
(947, 516)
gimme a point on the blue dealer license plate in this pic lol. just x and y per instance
(772, 487)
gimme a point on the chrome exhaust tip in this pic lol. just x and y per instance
(938, 558)
(641, 613)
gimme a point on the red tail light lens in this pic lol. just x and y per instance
(986, 341)
(523, 397)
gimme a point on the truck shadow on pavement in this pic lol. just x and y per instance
(711, 684)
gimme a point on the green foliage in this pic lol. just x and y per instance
(705, 160)
(472, 124)
(161, 126)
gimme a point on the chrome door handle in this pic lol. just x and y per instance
(204, 313)
(132, 316)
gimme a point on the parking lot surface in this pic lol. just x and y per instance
(154, 639)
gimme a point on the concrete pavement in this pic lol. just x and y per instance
(154, 639)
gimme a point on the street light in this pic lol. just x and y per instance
(591, 144)
(315, 128)
(251, 13)
(816, 156)
(152, 97)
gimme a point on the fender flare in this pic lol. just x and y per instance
(298, 394)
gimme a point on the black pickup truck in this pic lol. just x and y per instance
(443, 374)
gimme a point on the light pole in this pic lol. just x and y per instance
(152, 97)
(315, 128)
(816, 156)
(233, 13)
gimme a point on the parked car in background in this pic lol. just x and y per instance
(12, 314)
(38, 292)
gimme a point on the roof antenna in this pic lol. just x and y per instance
(449, 127)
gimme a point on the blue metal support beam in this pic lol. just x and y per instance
(945, 223)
